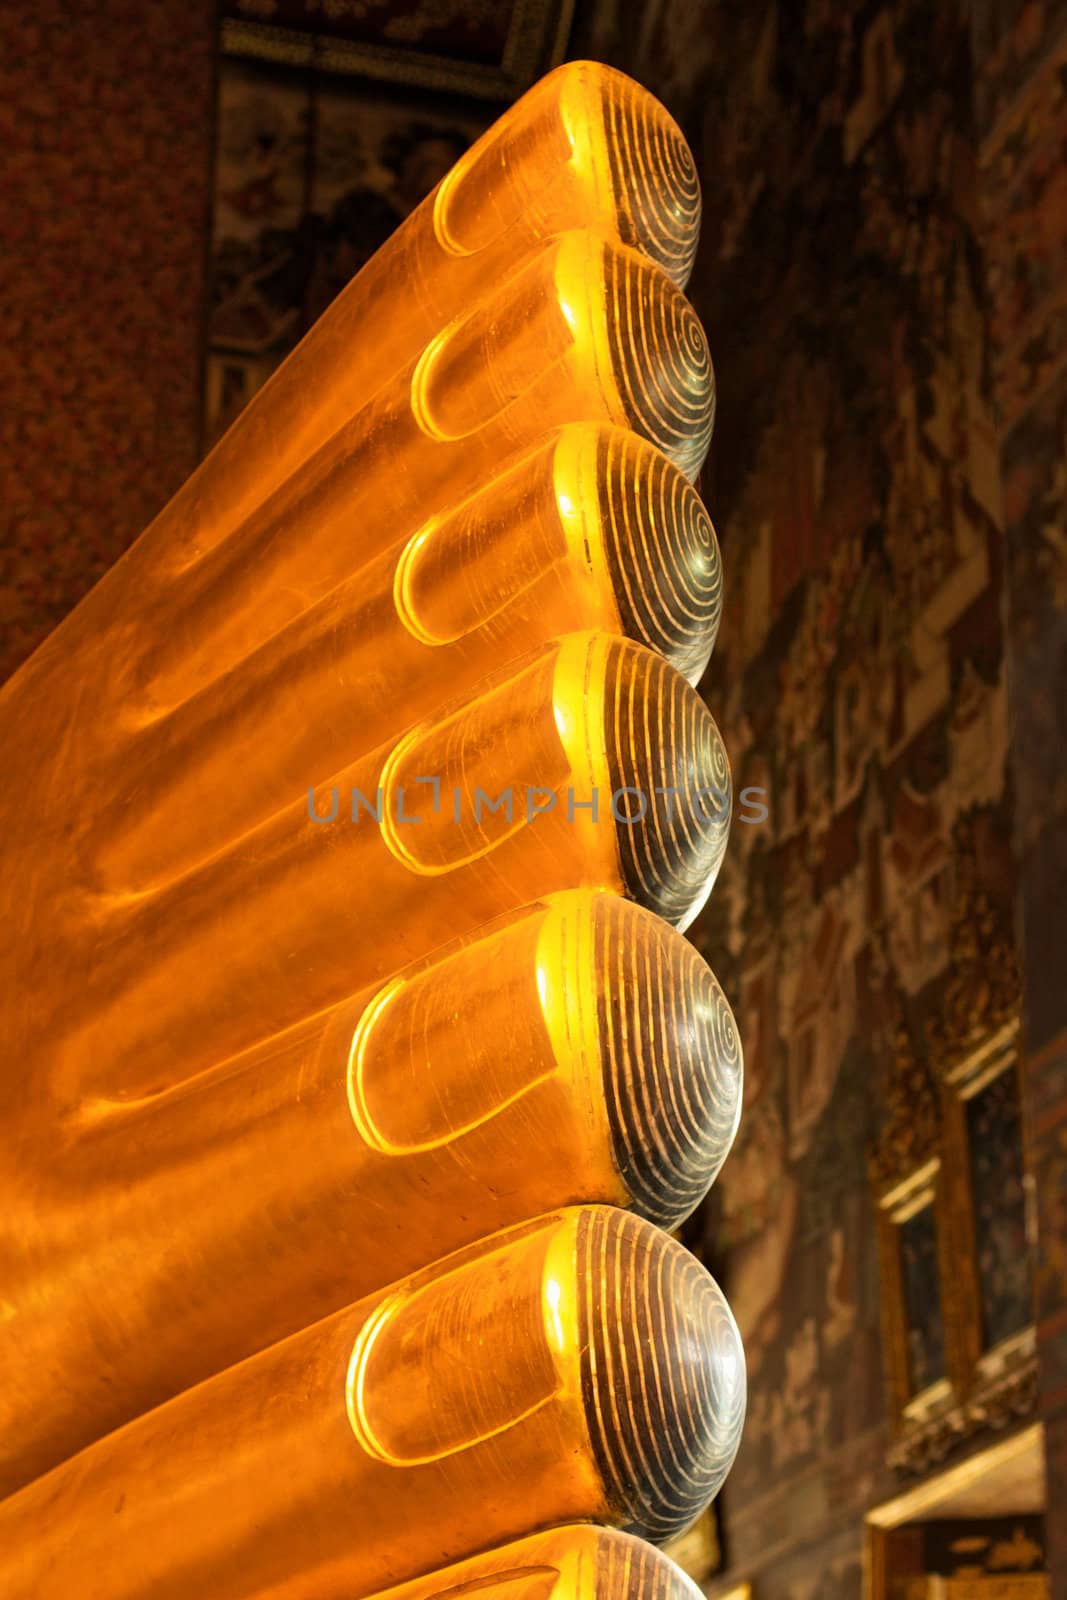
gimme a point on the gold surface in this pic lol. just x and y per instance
(586, 148)
(591, 529)
(569, 1563)
(581, 1366)
(361, 805)
(578, 1049)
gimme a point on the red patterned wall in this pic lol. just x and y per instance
(105, 127)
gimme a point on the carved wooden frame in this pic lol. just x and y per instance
(930, 1163)
(889, 1552)
(989, 1370)
(960, 1083)
(923, 1187)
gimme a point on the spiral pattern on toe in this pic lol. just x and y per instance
(660, 358)
(671, 1059)
(663, 1371)
(670, 779)
(654, 176)
(662, 552)
(629, 1569)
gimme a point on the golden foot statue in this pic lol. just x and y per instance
(355, 1057)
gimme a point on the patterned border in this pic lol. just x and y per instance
(536, 43)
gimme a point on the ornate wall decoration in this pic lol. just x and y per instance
(312, 175)
(911, 1134)
(491, 48)
(920, 1337)
(977, 1558)
(949, 1184)
(859, 669)
(983, 986)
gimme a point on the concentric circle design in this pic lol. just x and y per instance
(660, 358)
(655, 178)
(629, 1569)
(662, 552)
(663, 1371)
(671, 788)
(671, 1059)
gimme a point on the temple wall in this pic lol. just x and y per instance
(1023, 96)
(881, 279)
(106, 125)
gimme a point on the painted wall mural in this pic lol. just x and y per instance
(860, 674)
(312, 175)
(492, 48)
(1023, 164)
(333, 122)
(861, 667)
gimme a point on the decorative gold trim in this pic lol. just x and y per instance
(873, 1580)
(983, 991)
(914, 1415)
(913, 1193)
(970, 1074)
(1009, 1353)
(994, 1402)
(922, 1156)
(1002, 1586)
(1005, 1385)
(930, 1403)
(536, 43)
(914, 1505)
(960, 1285)
(936, 1495)
(911, 1133)
(894, 1327)
(964, 1079)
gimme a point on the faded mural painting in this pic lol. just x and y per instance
(334, 121)
(860, 670)
(860, 673)
(312, 176)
